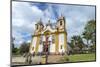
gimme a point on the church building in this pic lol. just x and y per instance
(51, 38)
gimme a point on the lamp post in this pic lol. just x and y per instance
(46, 49)
(47, 43)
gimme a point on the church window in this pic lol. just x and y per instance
(60, 22)
(37, 27)
(61, 47)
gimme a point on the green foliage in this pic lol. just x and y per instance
(15, 51)
(90, 32)
(93, 48)
(76, 44)
(82, 57)
(24, 48)
(89, 35)
(78, 57)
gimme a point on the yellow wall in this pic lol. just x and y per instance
(56, 43)
(37, 44)
(65, 41)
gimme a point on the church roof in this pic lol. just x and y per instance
(49, 28)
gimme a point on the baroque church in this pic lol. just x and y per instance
(51, 38)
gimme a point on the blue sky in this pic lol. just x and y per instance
(26, 14)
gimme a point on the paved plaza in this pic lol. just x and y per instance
(20, 60)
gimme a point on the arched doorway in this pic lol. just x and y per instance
(46, 43)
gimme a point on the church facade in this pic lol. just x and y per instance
(51, 38)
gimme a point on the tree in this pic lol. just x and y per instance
(14, 49)
(89, 33)
(12, 42)
(24, 48)
(77, 43)
(93, 48)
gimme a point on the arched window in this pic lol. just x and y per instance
(61, 46)
(37, 27)
(60, 22)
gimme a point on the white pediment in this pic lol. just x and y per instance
(48, 28)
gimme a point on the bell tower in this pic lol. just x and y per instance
(61, 37)
(61, 23)
(38, 27)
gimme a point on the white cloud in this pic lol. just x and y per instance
(23, 20)
(24, 17)
(76, 17)
(37, 13)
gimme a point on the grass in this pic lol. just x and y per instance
(81, 57)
